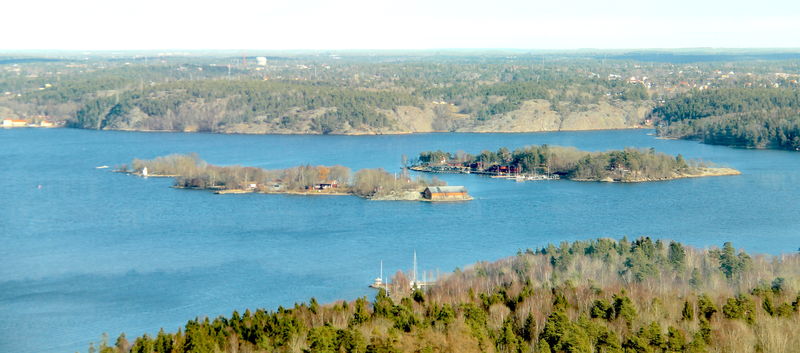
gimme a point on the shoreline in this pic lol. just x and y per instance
(364, 133)
(406, 196)
(704, 172)
(190, 172)
(736, 146)
(312, 193)
(701, 172)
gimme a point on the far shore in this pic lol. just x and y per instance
(369, 133)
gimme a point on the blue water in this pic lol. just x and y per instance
(92, 251)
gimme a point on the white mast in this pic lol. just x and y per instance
(414, 274)
(379, 281)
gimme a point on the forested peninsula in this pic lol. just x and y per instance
(583, 297)
(191, 172)
(740, 117)
(555, 162)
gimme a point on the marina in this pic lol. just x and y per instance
(426, 280)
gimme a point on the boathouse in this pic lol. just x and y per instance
(326, 185)
(14, 123)
(446, 193)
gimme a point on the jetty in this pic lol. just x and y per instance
(233, 191)
(510, 173)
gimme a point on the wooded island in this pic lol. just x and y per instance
(191, 172)
(555, 162)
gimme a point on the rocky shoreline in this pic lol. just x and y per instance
(699, 173)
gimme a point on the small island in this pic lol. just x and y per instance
(191, 172)
(545, 162)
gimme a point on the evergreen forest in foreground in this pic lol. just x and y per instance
(586, 296)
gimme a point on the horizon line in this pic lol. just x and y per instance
(583, 49)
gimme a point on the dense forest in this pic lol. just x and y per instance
(730, 99)
(582, 297)
(745, 117)
(360, 93)
(210, 105)
(191, 172)
(628, 165)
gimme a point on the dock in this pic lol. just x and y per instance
(492, 174)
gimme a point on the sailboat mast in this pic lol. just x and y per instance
(414, 275)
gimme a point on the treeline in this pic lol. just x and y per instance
(563, 91)
(210, 105)
(359, 94)
(192, 172)
(307, 94)
(630, 164)
(755, 118)
(58, 91)
(213, 105)
(584, 297)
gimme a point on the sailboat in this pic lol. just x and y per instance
(378, 283)
(414, 283)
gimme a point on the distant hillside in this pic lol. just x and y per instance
(303, 95)
(588, 296)
(357, 93)
(295, 107)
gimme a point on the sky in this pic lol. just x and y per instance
(399, 24)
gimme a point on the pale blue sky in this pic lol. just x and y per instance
(404, 24)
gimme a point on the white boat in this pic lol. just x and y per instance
(378, 283)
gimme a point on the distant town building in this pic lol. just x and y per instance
(261, 60)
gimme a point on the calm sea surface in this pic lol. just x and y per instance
(85, 251)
